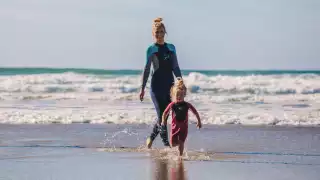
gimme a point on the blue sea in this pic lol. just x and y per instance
(70, 95)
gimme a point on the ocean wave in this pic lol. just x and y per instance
(50, 115)
(68, 97)
(197, 83)
(256, 84)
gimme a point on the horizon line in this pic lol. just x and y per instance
(128, 69)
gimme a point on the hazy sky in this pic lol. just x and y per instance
(208, 34)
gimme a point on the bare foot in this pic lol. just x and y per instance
(149, 143)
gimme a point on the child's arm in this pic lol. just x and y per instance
(166, 114)
(195, 112)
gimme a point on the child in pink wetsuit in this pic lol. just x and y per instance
(179, 108)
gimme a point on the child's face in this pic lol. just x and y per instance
(180, 96)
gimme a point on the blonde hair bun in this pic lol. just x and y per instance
(158, 20)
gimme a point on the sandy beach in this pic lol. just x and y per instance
(87, 151)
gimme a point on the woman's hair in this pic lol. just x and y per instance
(157, 23)
(178, 86)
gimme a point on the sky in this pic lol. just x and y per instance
(114, 34)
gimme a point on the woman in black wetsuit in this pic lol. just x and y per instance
(163, 57)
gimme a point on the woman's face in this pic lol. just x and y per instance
(158, 34)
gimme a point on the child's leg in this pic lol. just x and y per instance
(182, 138)
(181, 147)
(174, 140)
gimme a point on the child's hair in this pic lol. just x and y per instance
(178, 86)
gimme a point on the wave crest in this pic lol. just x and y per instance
(197, 83)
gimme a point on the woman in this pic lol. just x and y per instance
(162, 56)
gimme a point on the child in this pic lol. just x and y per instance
(179, 107)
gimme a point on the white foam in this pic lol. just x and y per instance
(270, 99)
(136, 113)
(197, 83)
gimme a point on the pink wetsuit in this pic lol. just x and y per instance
(179, 125)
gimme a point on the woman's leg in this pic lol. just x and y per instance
(163, 103)
(160, 103)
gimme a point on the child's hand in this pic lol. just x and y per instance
(199, 125)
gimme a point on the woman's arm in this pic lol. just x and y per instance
(146, 71)
(175, 65)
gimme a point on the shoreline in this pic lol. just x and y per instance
(147, 125)
(116, 151)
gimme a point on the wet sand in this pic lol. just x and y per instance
(86, 151)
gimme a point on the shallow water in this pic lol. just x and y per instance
(88, 151)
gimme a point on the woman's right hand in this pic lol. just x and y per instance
(141, 95)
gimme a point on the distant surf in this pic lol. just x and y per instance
(49, 95)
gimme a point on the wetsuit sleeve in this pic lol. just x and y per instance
(166, 111)
(146, 71)
(175, 64)
(194, 111)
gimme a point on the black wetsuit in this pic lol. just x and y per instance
(165, 64)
